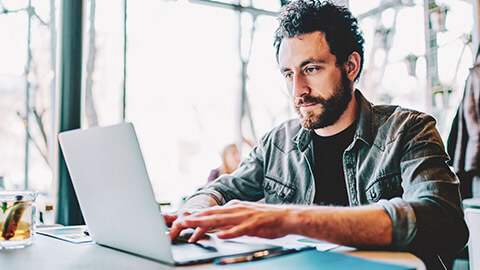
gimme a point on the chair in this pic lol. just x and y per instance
(472, 217)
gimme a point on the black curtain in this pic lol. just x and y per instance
(68, 209)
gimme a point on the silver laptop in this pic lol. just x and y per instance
(117, 201)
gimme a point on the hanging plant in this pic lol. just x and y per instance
(384, 36)
(438, 17)
(411, 62)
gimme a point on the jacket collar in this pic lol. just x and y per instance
(366, 121)
(364, 130)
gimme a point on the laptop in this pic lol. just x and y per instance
(118, 203)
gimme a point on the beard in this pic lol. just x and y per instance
(333, 107)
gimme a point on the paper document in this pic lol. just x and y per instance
(291, 241)
(73, 234)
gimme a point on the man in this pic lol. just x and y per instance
(347, 172)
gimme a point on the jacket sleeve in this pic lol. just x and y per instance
(246, 183)
(429, 214)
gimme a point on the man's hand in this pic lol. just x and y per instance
(238, 218)
(193, 205)
(360, 226)
(177, 228)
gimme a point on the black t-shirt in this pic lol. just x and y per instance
(330, 187)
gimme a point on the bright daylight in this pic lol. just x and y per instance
(275, 134)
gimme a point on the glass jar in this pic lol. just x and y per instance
(17, 218)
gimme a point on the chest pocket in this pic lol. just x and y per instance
(385, 187)
(277, 192)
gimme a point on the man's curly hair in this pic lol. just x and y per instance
(337, 23)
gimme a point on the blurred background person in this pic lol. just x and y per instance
(230, 160)
(231, 157)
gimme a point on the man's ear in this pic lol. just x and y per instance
(352, 66)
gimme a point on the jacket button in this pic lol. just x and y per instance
(267, 188)
(282, 195)
(349, 165)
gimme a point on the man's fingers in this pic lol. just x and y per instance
(176, 222)
(213, 220)
(236, 231)
(215, 211)
(197, 234)
(230, 218)
(224, 228)
(169, 218)
(175, 230)
(230, 208)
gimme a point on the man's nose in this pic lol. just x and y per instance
(299, 86)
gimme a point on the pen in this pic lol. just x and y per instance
(254, 256)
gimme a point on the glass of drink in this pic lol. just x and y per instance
(17, 218)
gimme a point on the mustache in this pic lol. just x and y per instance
(309, 100)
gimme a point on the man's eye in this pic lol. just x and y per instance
(287, 75)
(311, 69)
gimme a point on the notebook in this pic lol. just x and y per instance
(118, 203)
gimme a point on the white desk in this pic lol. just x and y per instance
(51, 253)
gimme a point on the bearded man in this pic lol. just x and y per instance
(347, 171)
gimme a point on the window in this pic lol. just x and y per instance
(396, 69)
(184, 82)
(184, 76)
(187, 63)
(27, 93)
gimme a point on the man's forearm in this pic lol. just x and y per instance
(350, 226)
